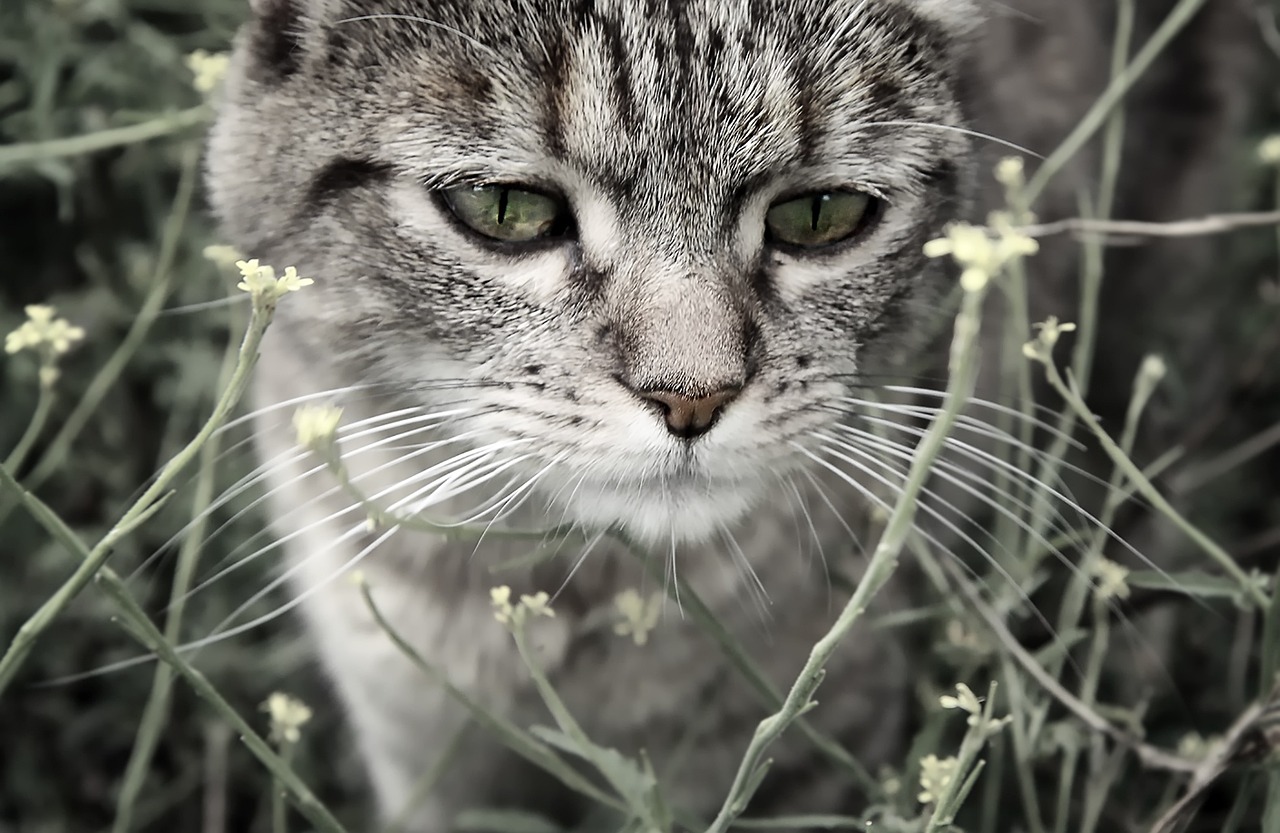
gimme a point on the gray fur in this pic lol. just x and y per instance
(670, 127)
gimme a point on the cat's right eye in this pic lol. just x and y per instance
(819, 218)
(507, 213)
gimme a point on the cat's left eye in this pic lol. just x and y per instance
(506, 213)
(820, 218)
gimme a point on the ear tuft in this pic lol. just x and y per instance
(277, 36)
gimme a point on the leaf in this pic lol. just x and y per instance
(631, 782)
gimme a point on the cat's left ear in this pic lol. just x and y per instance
(281, 32)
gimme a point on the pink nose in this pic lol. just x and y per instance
(690, 417)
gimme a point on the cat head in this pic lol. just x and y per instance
(654, 243)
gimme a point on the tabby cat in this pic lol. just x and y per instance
(638, 265)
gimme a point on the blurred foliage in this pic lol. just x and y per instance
(88, 234)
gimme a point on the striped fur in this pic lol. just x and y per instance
(669, 127)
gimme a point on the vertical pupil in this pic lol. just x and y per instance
(816, 209)
(503, 196)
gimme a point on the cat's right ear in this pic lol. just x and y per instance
(281, 32)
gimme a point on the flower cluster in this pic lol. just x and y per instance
(515, 615)
(42, 331)
(1048, 332)
(47, 335)
(208, 68)
(1111, 580)
(639, 615)
(288, 715)
(936, 775)
(981, 252)
(316, 426)
(965, 700)
(262, 284)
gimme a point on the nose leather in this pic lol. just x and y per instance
(688, 416)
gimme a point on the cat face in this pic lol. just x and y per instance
(654, 244)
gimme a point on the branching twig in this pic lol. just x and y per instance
(144, 507)
(1068, 391)
(1240, 743)
(1211, 224)
(1177, 18)
(1151, 756)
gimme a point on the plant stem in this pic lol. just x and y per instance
(1173, 23)
(96, 558)
(1145, 488)
(87, 406)
(883, 563)
(136, 622)
(27, 153)
(516, 739)
(156, 712)
(44, 404)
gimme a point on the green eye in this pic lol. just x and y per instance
(505, 213)
(818, 219)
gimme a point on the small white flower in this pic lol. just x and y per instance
(981, 255)
(964, 699)
(1269, 150)
(1112, 580)
(1048, 332)
(539, 604)
(288, 716)
(936, 775)
(515, 615)
(500, 598)
(316, 426)
(1010, 172)
(639, 615)
(44, 332)
(261, 282)
(208, 68)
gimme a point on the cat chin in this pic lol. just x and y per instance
(661, 514)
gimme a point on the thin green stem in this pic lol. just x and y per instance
(1145, 488)
(382, 517)
(96, 558)
(91, 400)
(1177, 18)
(44, 404)
(968, 767)
(136, 622)
(279, 808)
(150, 636)
(883, 563)
(1077, 593)
(516, 739)
(156, 712)
(637, 805)
(23, 154)
(680, 591)
(1092, 274)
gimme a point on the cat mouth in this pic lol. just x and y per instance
(684, 503)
